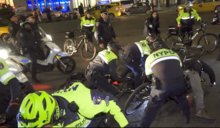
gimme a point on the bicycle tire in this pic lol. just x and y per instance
(124, 86)
(85, 58)
(214, 48)
(169, 44)
(73, 41)
(130, 98)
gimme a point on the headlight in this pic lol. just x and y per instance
(56, 49)
(3, 54)
(180, 7)
(49, 37)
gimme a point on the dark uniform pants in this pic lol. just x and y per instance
(100, 82)
(32, 56)
(157, 98)
(187, 29)
(89, 36)
(40, 52)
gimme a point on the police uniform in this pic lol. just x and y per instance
(104, 31)
(137, 52)
(88, 25)
(186, 19)
(104, 64)
(165, 65)
(89, 103)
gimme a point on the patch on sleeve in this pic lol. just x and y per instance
(21, 34)
(1, 66)
(97, 23)
(96, 100)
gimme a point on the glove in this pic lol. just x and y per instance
(12, 110)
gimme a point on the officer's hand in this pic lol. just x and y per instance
(116, 38)
(12, 110)
(179, 25)
(101, 46)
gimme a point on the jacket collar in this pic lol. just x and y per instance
(189, 10)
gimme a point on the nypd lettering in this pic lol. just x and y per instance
(162, 53)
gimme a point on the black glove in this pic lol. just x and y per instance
(12, 110)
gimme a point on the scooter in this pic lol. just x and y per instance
(64, 62)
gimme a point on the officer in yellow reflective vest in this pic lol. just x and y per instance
(9, 85)
(88, 25)
(105, 64)
(73, 107)
(185, 20)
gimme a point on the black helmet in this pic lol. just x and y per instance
(113, 46)
(151, 36)
(89, 12)
(25, 22)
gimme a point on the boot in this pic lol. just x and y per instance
(202, 113)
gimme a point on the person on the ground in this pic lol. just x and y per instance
(28, 41)
(105, 64)
(48, 13)
(194, 71)
(9, 85)
(134, 59)
(152, 24)
(104, 32)
(75, 106)
(81, 10)
(38, 37)
(87, 25)
(164, 67)
(185, 20)
(13, 28)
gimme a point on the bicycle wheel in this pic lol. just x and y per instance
(139, 97)
(88, 52)
(70, 46)
(171, 41)
(209, 42)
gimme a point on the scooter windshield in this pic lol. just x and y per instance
(42, 32)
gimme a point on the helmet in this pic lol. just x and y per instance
(36, 110)
(189, 4)
(113, 46)
(151, 36)
(25, 22)
(89, 12)
(156, 46)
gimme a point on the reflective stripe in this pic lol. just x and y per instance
(85, 126)
(186, 18)
(146, 53)
(139, 47)
(88, 25)
(103, 58)
(148, 71)
(165, 58)
(6, 76)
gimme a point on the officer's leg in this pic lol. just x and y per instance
(40, 52)
(155, 101)
(190, 34)
(136, 69)
(31, 55)
(103, 84)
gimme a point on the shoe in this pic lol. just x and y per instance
(35, 81)
(202, 113)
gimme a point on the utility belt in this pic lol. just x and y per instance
(158, 82)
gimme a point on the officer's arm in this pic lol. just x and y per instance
(197, 17)
(209, 71)
(113, 32)
(178, 19)
(148, 70)
(81, 24)
(98, 31)
(94, 24)
(115, 110)
(113, 68)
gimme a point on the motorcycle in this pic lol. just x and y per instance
(65, 64)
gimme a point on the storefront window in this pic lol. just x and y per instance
(29, 3)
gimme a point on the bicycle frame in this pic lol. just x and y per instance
(83, 39)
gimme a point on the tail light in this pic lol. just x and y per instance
(116, 8)
(120, 8)
(13, 7)
(116, 82)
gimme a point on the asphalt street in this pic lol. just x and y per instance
(129, 29)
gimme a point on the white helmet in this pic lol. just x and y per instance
(189, 4)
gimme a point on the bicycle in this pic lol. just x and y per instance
(71, 46)
(141, 94)
(174, 39)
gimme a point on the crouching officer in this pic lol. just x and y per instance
(27, 40)
(104, 64)
(165, 65)
(75, 106)
(88, 25)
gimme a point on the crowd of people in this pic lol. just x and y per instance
(78, 105)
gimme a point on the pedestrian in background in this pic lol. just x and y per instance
(81, 10)
(48, 13)
(152, 24)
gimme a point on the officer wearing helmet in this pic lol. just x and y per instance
(164, 67)
(134, 57)
(185, 20)
(104, 64)
(88, 25)
(27, 40)
(75, 106)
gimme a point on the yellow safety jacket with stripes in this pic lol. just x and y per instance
(88, 23)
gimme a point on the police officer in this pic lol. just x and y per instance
(38, 37)
(135, 56)
(186, 19)
(72, 107)
(104, 64)
(9, 85)
(104, 31)
(28, 41)
(13, 28)
(165, 65)
(88, 25)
